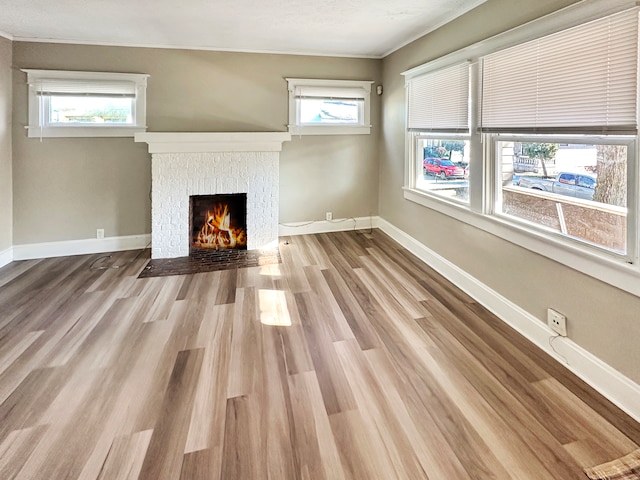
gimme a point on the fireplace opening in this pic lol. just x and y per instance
(218, 222)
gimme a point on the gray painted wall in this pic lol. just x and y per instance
(70, 187)
(602, 319)
(6, 181)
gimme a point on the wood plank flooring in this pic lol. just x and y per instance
(349, 360)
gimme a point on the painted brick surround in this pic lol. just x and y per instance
(185, 164)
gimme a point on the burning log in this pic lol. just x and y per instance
(217, 232)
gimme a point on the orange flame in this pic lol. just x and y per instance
(217, 231)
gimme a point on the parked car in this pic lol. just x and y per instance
(579, 185)
(443, 168)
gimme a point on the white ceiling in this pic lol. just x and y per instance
(358, 28)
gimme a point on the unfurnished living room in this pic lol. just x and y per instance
(354, 239)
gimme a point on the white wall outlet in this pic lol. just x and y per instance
(329, 215)
(100, 233)
(557, 322)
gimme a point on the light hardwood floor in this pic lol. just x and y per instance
(349, 360)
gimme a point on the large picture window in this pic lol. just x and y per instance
(551, 148)
(574, 189)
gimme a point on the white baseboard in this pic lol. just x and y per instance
(79, 247)
(613, 385)
(324, 226)
(6, 257)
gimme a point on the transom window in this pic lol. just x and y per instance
(329, 107)
(80, 104)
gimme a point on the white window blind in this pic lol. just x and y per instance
(580, 80)
(439, 101)
(89, 88)
(324, 93)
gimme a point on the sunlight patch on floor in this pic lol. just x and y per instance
(273, 308)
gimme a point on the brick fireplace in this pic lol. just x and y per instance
(184, 165)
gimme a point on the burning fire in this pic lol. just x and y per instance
(217, 231)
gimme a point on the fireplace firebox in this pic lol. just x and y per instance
(218, 222)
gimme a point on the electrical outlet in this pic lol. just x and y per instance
(100, 233)
(557, 322)
(329, 215)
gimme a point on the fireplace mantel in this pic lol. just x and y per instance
(201, 142)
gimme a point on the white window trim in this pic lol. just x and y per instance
(38, 129)
(296, 128)
(581, 258)
(620, 271)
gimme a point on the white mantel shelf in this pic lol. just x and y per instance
(199, 142)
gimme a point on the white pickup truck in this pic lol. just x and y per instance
(578, 185)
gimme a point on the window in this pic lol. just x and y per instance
(85, 104)
(439, 130)
(329, 107)
(577, 190)
(550, 152)
(554, 85)
(443, 166)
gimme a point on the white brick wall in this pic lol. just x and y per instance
(176, 176)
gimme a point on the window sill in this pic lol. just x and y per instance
(73, 131)
(329, 130)
(611, 269)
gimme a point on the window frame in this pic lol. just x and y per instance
(631, 255)
(39, 105)
(621, 271)
(296, 127)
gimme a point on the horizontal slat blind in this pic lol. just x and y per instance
(583, 79)
(107, 88)
(439, 101)
(330, 93)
